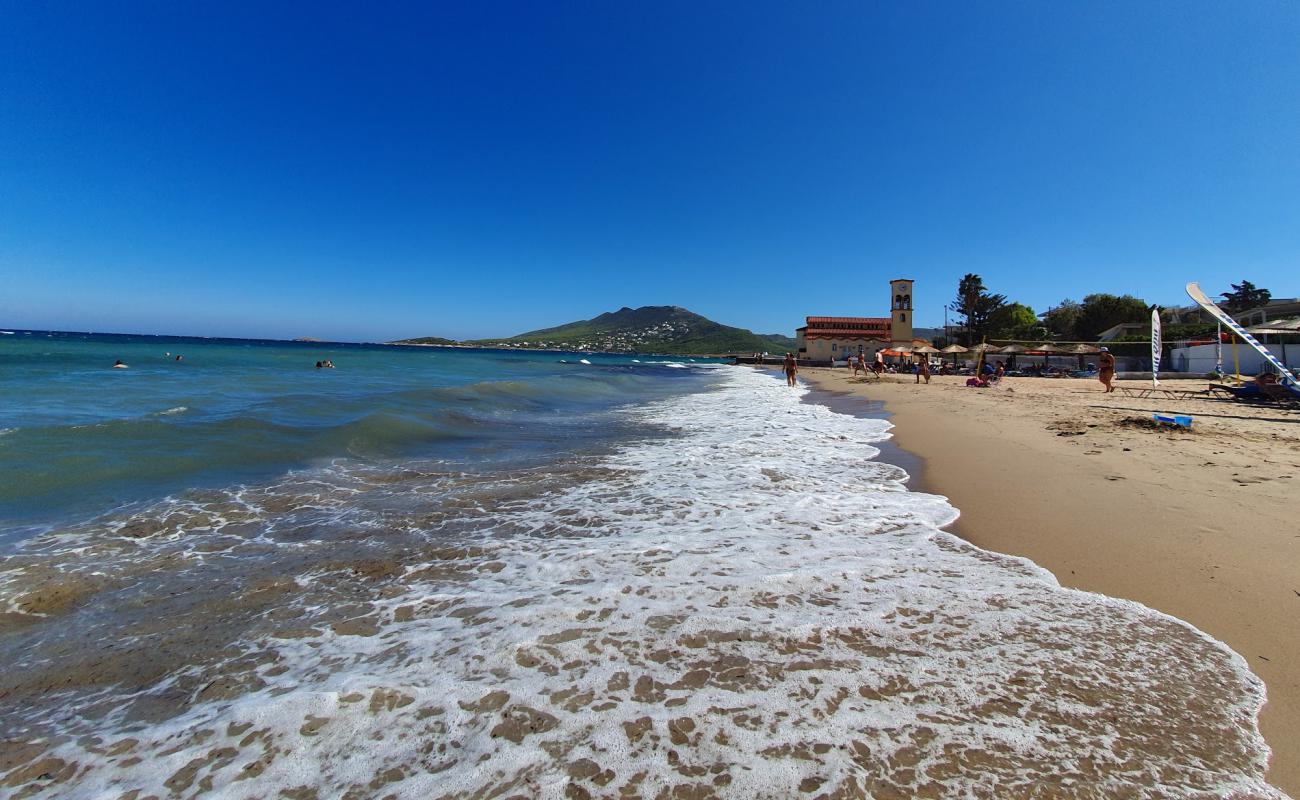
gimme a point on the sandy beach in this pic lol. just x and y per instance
(1198, 524)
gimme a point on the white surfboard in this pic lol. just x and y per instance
(1194, 292)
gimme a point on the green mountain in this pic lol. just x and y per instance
(649, 329)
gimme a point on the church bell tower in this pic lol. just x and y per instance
(900, 321)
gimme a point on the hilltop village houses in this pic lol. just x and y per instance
(838, 338)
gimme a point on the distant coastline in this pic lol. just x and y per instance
(307, 342)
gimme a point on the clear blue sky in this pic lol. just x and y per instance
(379, 170)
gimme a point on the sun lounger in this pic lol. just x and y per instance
(1146, 392)
(1282, 395)
(1274, 393)
(1218, 391)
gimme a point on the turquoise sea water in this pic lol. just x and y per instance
(78, 436)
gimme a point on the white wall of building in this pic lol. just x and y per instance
(823, 349)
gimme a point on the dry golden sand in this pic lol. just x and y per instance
(1201, 525)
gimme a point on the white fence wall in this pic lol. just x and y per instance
(1200, 358)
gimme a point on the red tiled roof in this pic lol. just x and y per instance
(846, 328)
(830, 322)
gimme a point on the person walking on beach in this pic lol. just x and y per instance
(923, 370)
(1106, 369)
(791, 369)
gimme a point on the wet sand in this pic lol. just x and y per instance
(1201, 524)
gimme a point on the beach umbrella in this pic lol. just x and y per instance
(1011, 350)
(1048, 350)
(982, 348)
(925, 350)
(954, 349)
(1082, 350)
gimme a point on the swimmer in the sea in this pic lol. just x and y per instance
(119, 365)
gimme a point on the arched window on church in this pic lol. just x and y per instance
(902, 318)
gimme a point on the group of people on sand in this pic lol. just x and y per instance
(988, 375)
(859, 363)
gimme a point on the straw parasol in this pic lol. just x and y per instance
(925, 348)
(954, 349)
(1082, 350)
(1048, 350)
(982, 348)
(1010, 350)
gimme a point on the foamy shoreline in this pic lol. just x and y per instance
(1194, 525)
(735, 604)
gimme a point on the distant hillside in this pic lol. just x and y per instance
(927, 333)
(649, 329)
(426, 340)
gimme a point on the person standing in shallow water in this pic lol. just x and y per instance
(791, 369)
(1106, 369)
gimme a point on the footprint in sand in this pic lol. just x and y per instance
(1251, 479)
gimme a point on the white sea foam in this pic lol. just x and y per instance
(752, 608)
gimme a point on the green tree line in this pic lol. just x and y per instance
(986, 315)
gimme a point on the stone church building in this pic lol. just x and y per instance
(825, 338)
